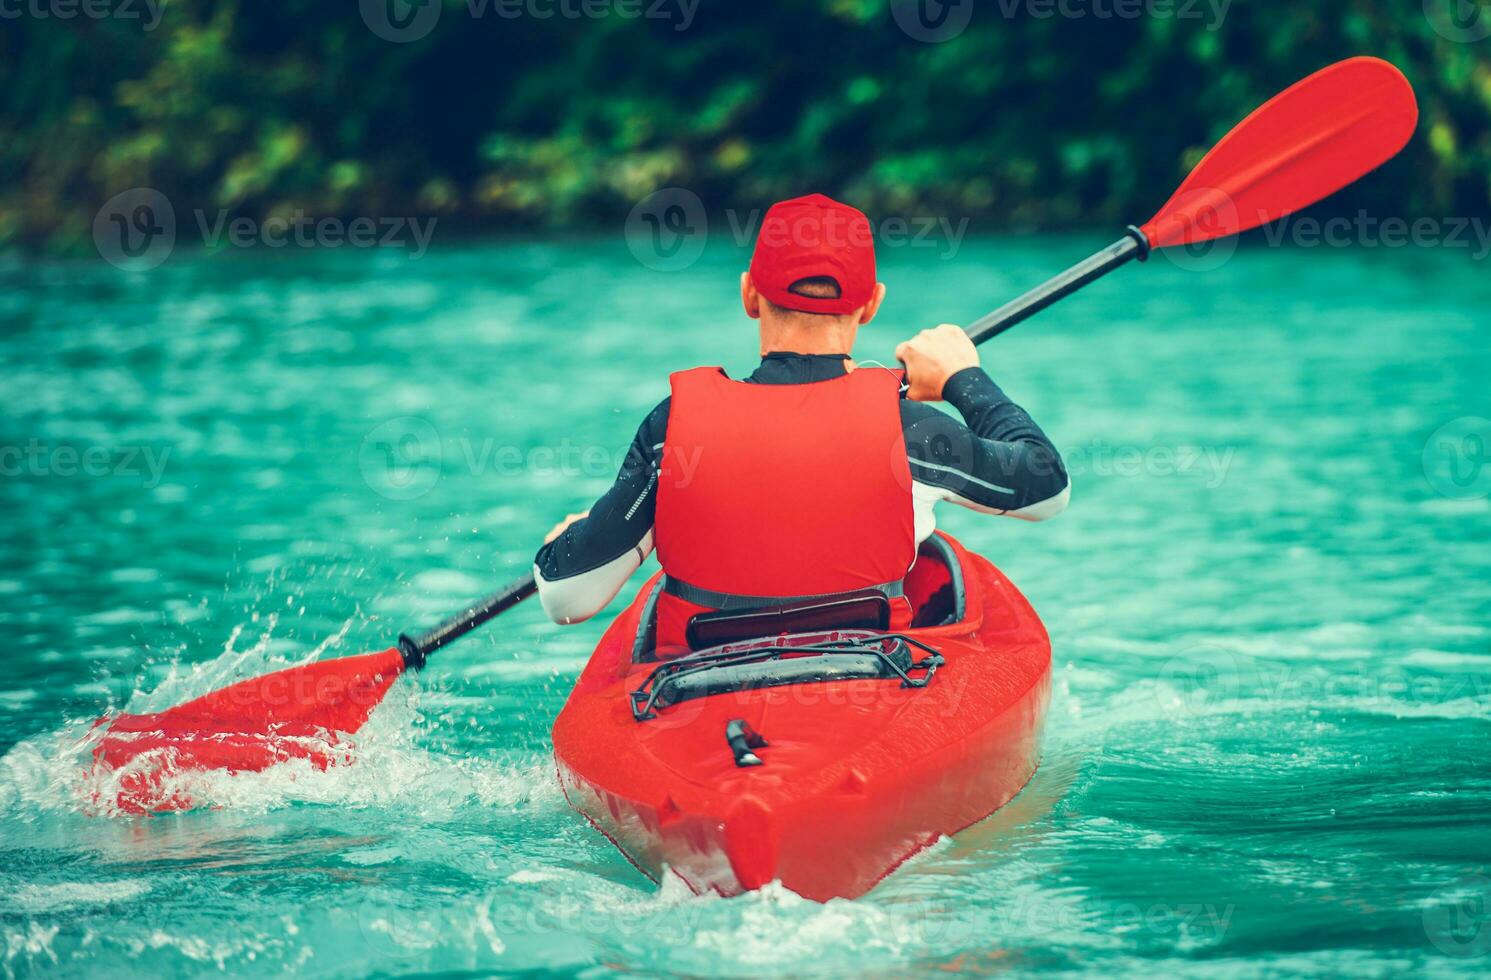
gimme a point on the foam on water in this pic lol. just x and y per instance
(383, 765)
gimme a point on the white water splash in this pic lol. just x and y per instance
(67, 895)
(28, 943)
(382, 765)
(183, 682)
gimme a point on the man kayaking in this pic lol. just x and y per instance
(813, 477)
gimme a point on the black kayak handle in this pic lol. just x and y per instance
(743, 739)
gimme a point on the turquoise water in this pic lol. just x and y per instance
(1270, 603)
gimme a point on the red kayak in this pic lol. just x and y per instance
(822, 757)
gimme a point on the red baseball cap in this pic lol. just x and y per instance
(813, 236)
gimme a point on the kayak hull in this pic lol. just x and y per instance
(857, 775)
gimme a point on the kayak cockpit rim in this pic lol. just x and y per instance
(790, 659)
(943, 608)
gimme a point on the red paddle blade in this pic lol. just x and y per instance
(1304, 144)
(296, 713)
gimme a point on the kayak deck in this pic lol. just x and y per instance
(857, 774)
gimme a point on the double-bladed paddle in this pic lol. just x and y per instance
(1309, 141)
(1304, 144)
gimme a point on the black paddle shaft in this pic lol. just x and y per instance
(1133, 245)
(416, 648)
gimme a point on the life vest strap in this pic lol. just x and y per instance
(730, 602)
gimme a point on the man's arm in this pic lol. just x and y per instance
(581, 570)
(1000, 462)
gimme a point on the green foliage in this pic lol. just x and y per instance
(496, 121)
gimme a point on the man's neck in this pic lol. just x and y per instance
(792, 367)
(827, 336)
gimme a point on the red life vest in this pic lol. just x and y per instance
(770, 493)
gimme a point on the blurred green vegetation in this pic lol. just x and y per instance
(491, 122)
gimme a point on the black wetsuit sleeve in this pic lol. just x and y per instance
(997, 459)
(621, 520)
